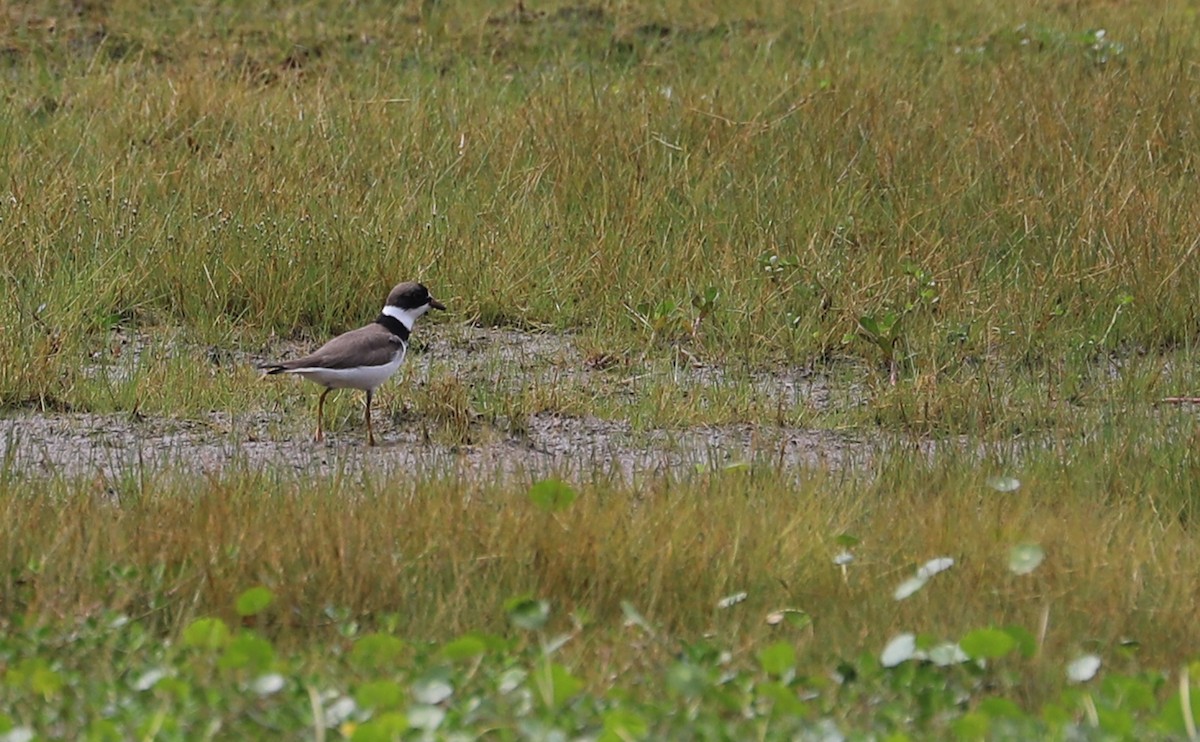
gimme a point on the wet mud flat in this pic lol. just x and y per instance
(74, 445)
(34, 443)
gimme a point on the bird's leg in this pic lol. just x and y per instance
(320, 436)
(370, 433)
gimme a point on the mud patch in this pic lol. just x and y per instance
(75, 445)
(502, 361)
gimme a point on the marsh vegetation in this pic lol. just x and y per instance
(802, 374)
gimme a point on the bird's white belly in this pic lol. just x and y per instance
(363, 377)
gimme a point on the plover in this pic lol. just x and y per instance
(366, 357)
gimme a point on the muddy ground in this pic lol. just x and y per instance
(112, 444)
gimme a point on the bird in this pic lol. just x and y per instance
(366, 357)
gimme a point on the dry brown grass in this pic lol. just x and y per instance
(440, 557)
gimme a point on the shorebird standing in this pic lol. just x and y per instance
(366, 357)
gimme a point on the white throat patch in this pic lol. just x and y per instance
(406, 317)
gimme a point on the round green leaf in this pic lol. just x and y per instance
(556, 684)
(206, 633)
(621, 725)
(247, 651)
(376, 652)
(777, 659)
(254, 601)
(987, 643)
(972, 725)
(1026, 641)
(381, 694)
(383, 728)
(1001, 708)
(552, 495)
(465, 647)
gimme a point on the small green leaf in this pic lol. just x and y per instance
(1135, 692)
(383, 728)
(99, 730)
(556, 684)
(247, 651)
(621, 725)
(552, 495)
(1024, 558)
(777, 659)
(1001, 708)
(375, 652)
(972, 725)
(847, 540)
(527, 613)
(206, 633)
(45, 682)
(381, 694)
(989, 643)
(254, 601)
(1026, 642)
(783, 699)
(1056, 716)
(870, 325)
(466, 647)
(1173, 719)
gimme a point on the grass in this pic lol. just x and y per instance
(433, 560)
(962, 232)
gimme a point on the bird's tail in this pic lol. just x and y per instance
(270, 369)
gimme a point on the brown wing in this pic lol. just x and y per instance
(372, 345)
